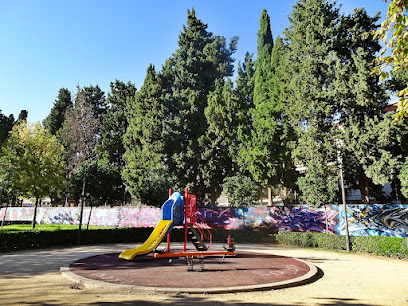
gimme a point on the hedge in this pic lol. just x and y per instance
(386, 246)
(22, 240)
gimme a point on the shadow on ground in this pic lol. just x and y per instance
(192, 300)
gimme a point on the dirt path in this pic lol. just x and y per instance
(32, 277)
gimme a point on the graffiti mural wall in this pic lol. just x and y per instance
(363, 220)
(374, 220)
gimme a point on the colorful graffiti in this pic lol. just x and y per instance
(139, 216)
(58, 215)
(217, 217)
(302, 219)
(17, 213)
(373, 220)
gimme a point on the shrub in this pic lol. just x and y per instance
(386, 246)
(313, 240)
(22, 240)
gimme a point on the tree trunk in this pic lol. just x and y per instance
(364, 186)
(35, 213)
(270, 196)
(4, 217)
(89, 218)
(81, 210)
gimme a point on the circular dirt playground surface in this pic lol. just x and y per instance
(244, 272)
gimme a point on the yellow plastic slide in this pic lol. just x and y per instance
(151, 243)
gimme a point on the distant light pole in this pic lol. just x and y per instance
(343, 193)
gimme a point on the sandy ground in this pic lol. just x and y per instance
(32, 277)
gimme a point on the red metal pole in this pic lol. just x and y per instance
(168, 242)
(170, 192)
(186, 205)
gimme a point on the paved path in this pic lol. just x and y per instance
(32, 277)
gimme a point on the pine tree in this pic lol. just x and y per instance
(362, 102)
(144, 156)
(95, 97)
(55, 119)
(188, 78)
(220, 142)
(6, 124)
(311, 64)
(244, 92)
(115, 122)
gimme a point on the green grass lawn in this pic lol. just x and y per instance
(45, 227)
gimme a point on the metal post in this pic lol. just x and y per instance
(343, 193)
(186, 212)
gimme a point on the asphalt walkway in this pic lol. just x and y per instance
(33, 277)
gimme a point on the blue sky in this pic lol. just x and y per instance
(49, 44)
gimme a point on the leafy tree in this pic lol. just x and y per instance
(155, 186)
(311, 65)
(263, 67)
(319, 185)
(241, 190)
(244, 91)
(104, 183)
(398, 80)
(220, 142)
(95, 97)
(32, 162)
(266, 154)
(55, 119)
(143, 140)
(6, 124)
(362, 102)
(115, 122)
(188, 78)
(403, 176)
(22, 116)
(393, 33)
(81, 134)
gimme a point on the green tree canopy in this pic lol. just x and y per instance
(393, 33)
(143, 139)
(266, 153)
(115, 122)
(311, 66)
(241, 190)
(189, 76)
(32, 162)
(55, 119)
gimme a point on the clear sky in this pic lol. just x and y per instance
(50, 44)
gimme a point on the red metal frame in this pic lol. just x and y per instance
(190, 218)
(168, 234)
(193, 254)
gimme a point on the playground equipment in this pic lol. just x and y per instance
(180, 211)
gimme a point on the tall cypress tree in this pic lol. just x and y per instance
(263, 60)
(311, 64)
(189, 76)
(266, 154)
